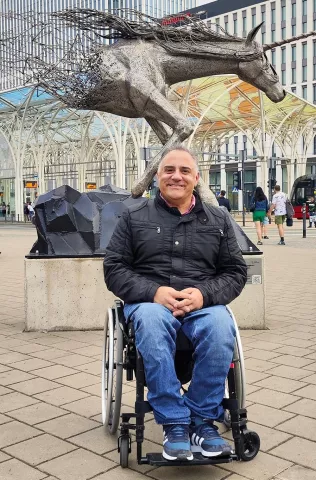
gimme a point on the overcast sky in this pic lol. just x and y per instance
(203, 2)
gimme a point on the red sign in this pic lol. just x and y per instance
(175, 19)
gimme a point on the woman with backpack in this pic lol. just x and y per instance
(260, 208)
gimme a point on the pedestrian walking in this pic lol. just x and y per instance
(26, 213)
(279, 206)
(31, 211)
(259, 208)
(265, 225)
(3, 209)
(311, 211)
(222, 201)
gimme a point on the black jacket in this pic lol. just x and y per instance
(153, 246)
(224, 202)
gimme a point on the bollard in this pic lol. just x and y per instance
(304, 219)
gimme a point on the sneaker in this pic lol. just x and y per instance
(176, 443)
(206, 439)
(281, 242)
(259, 243)
(266, 238)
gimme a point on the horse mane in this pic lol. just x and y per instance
(192, 37)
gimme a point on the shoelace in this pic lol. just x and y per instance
(177, 433)
(207, 431)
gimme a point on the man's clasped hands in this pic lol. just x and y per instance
(179, 302)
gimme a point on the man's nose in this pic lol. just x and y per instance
(176, 175)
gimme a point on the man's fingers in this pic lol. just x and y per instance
(178, 313)
(183, 303)
(181, 294)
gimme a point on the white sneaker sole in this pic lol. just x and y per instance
(198, 449)
(168, 457)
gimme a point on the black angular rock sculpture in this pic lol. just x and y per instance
(70, 223)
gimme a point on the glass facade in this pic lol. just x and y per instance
(156, 8)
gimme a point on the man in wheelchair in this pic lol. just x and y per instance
(175, 263)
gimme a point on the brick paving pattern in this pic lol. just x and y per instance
(50, 405)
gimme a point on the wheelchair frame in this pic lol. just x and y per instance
(120, 354)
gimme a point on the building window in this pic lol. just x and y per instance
(226, 25)
(304, 7)
(293, 53)
(227, 147)
(314, 92)
(283, 33)
(235, 26)
(293, 75)
(283, 77)
(283, 13)
(304, 92)
(304, 50)
(244, 23)
(304, 73)
(253, 19)
(273, 57)
(236, 145)
(283, 54)
(293, 30)
(263, 38)
(245, 142)
(314, 71)
(272, 14)
(293, 10)
(217, 25)
(293, 89)
(304, 27)
(254, 152)
(315, 145)
(273, 35)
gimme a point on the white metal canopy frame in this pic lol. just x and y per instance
(51, 141)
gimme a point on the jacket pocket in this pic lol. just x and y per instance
(206, 246)
(147, 240)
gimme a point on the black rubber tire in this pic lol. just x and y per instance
(112, 373)
(124, 451)
(250, 445)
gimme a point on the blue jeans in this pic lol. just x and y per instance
(212, 333)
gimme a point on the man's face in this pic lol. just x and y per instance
(177, 176)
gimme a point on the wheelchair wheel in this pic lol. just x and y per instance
(124, 450)
(239, 372)
(250, 445)
(112, 373)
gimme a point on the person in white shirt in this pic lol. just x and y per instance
(279, 206)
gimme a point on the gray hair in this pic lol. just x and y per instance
(181, 148)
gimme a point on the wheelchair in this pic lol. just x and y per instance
(120, 353)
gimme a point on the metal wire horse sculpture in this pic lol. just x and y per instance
(131, 76)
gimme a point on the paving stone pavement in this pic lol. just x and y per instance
(50, 425)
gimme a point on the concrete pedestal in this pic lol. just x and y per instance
(249, 308)
(70, 294)
(65, 294)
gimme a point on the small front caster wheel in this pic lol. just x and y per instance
(250, 445)
(124, 451)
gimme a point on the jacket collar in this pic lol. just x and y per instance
(198, 209)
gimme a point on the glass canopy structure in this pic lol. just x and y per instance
(43, 141)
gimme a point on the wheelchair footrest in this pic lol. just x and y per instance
(158, 460)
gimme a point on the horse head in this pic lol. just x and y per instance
(258, 71)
